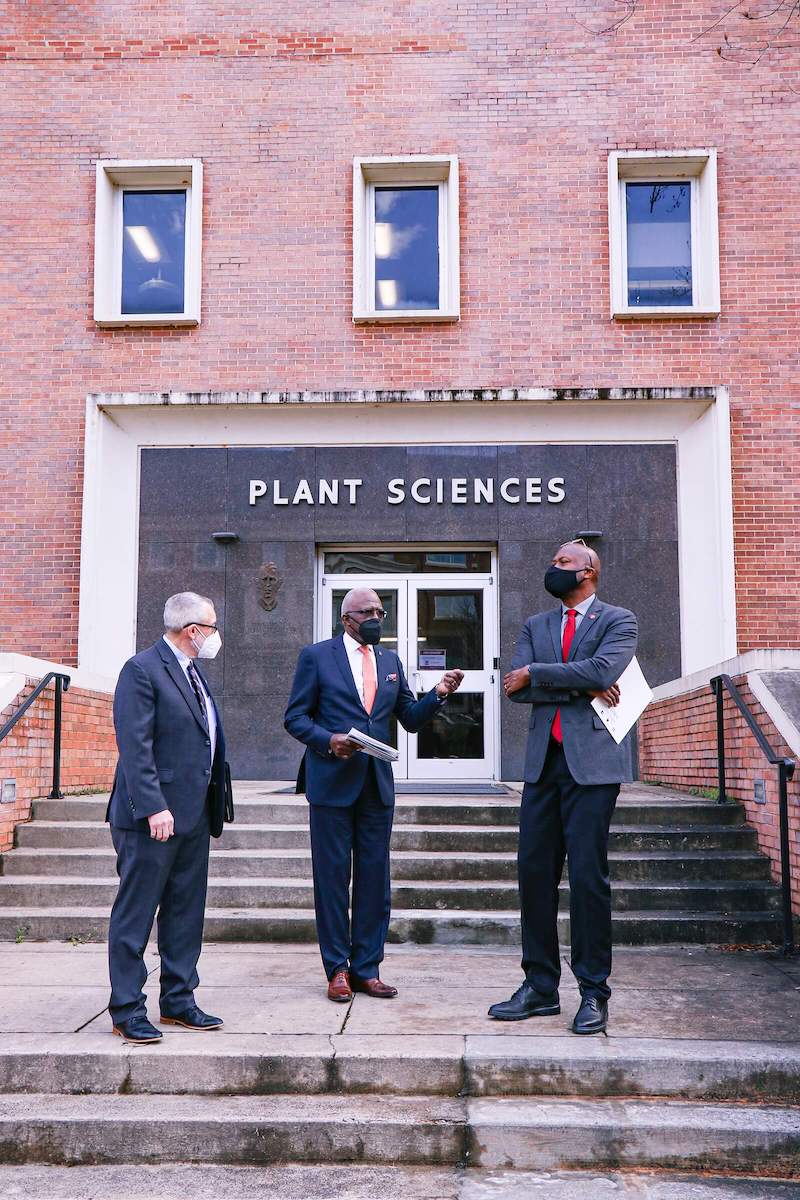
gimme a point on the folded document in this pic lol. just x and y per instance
(373, 747)
(634, 697)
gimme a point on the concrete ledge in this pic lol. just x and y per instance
(742, 664)
(502, 395)
(14, 665)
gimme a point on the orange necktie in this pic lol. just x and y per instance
(370, 679)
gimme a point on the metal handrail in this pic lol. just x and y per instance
(786, 768)
(62, 685)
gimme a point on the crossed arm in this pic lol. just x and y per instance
(531, 682)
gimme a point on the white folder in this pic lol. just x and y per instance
(634, 696)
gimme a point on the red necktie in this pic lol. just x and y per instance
(566, 642)
(370, 679)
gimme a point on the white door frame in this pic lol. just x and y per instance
(408, 766)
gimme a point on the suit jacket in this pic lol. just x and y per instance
(325, 700)
(164, 747)
(604, 644)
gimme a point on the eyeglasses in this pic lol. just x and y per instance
(367, 612)
(202, 625)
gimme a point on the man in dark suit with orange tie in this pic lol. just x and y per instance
(352, 682)
(573, 769)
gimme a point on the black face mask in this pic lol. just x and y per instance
(559, 582)
(371, 631)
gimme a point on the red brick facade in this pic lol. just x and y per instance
(670, 727)
(88, 750)
(530, 96)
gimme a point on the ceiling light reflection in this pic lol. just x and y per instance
(383, 239)
(144, 242)
(387, 291)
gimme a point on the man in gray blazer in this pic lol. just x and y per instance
(573, 770)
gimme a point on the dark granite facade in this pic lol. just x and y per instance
(627, 492)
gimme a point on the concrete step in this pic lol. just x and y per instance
(475, 1065)
(264, 892)
(75, 1130)
(457, 838)
(355, 1182)
(488, 1133)
(702, 865)
(422, 926)
(557, 1134)
(440, 810)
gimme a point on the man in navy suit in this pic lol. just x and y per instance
(344, 683)
(168, 796)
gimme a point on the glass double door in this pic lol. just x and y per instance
(436, 623)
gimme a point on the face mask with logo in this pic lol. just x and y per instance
(371, 631)
(559, 582)
(210, 647)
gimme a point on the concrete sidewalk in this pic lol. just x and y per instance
(276, 989)
(421, 1096)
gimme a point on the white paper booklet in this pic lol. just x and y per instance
(373, 746)
(634, 697)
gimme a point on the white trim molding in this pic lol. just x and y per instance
(699, 169)
(118, 426)
(405, 171)
(112, 179)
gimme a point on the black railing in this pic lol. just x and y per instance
(786, 767)
(62, 685)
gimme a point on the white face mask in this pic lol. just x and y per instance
(210, 647)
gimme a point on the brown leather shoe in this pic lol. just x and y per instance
(339, 987)
(373, 987)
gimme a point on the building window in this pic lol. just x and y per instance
(405, 239)
(147, 243)
(664, 244)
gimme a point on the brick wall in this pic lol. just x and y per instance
(670, 726)
(276, 99)
(88, 750)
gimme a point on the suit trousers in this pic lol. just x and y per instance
(171, 877)
(357, 834)
(559, 818)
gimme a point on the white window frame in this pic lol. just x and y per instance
(112, 179)
(699, 168)
(405, 171)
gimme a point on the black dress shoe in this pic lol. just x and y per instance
(192, 1018)
(138, 1029)
(592, 1016)
(526, 1002)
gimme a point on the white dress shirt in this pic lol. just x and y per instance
(356, 660)
(184, 661)
(581, 610)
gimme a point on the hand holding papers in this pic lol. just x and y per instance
(372, 746)
(634, 697)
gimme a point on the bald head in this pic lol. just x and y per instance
(576, 575)
(578, 553)
(360, 604)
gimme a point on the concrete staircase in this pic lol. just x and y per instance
(684, 869)
(485, 1115)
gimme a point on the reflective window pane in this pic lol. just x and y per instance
(659, 243)
(456, 731)
(153, 246)
(407, 562)
(406, 247)
(450, 629)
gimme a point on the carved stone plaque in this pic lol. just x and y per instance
(269, 584)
